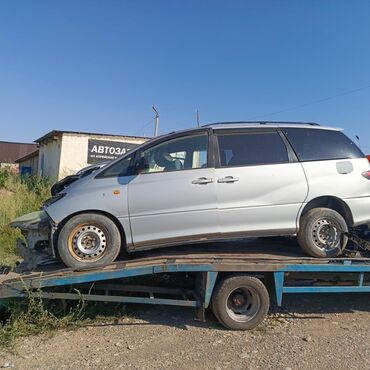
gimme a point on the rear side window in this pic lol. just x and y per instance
(251, 148)
(316, 144)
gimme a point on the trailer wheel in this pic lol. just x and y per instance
(240, 302)
(320, 233)
(89, 240)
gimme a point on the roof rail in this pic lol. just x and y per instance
(261, 123)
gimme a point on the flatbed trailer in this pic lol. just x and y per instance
(238, 284)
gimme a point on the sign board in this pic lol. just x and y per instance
(105, 150)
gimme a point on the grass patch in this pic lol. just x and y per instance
(18, 196)
(34, 315)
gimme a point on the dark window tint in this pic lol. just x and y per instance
(120, 168)
(316, 144)
(253, 148)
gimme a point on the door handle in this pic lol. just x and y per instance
(228, 179)
(202, 180)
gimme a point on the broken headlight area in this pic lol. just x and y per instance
(36, 248)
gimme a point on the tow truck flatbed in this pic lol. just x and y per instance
(249, 269)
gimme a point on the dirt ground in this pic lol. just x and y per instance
(312, 332)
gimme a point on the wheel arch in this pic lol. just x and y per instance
(96, 211)
(332, 202)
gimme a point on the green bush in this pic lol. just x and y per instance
(3, 177)
(18, 196)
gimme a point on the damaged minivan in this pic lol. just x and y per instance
(218, 182)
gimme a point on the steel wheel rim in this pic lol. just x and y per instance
(326, 234)
(88, 242)
(243, 304)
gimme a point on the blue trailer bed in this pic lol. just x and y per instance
(237, 284)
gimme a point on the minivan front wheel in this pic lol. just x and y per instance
(89, 240)
(321, 233)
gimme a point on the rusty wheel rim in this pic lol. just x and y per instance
(88, 242)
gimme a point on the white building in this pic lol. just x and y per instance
(62, 153)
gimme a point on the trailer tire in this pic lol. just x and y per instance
(240, 302)
(214, 309)
(89, 240)
(320, 233)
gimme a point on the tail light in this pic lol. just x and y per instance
(368, 157)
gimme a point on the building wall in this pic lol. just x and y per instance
(74, 150)
(49, 158)
(31, 163)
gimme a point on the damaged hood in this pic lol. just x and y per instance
(31, 221)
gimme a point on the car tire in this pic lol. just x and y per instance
(321, 233)
(89, 240)
(240, 302)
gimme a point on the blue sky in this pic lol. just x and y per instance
(100, 65)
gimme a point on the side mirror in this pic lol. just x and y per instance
(141, 165)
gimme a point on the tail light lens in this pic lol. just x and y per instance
(366, 174)
(368, 157)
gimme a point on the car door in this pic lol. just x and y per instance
(173, 196)
(260, 184)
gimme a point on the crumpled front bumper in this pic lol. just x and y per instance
(37, 230)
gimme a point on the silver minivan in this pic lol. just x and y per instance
(221, 181)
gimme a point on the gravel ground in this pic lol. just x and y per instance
(312, 332)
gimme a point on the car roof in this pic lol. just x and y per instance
(245, 124)
(261, 124)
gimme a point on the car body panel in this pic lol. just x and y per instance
(360, 207)
(265, 197)
(107, 195)
(325, 178)
(169, 206)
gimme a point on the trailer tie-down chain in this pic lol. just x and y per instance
(361, 244)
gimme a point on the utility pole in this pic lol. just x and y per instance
(359, 142)
(156, 121)
(198, 124)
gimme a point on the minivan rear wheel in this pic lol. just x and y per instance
(89, 240)
(321, 233)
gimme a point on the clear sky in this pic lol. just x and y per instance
(99, 66)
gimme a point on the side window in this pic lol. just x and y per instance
(318, 144)
(183, 153)
(120, 168)
(251, 148)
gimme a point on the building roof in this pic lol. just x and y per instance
(53, 133)
(10, 151)
(28, 156)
